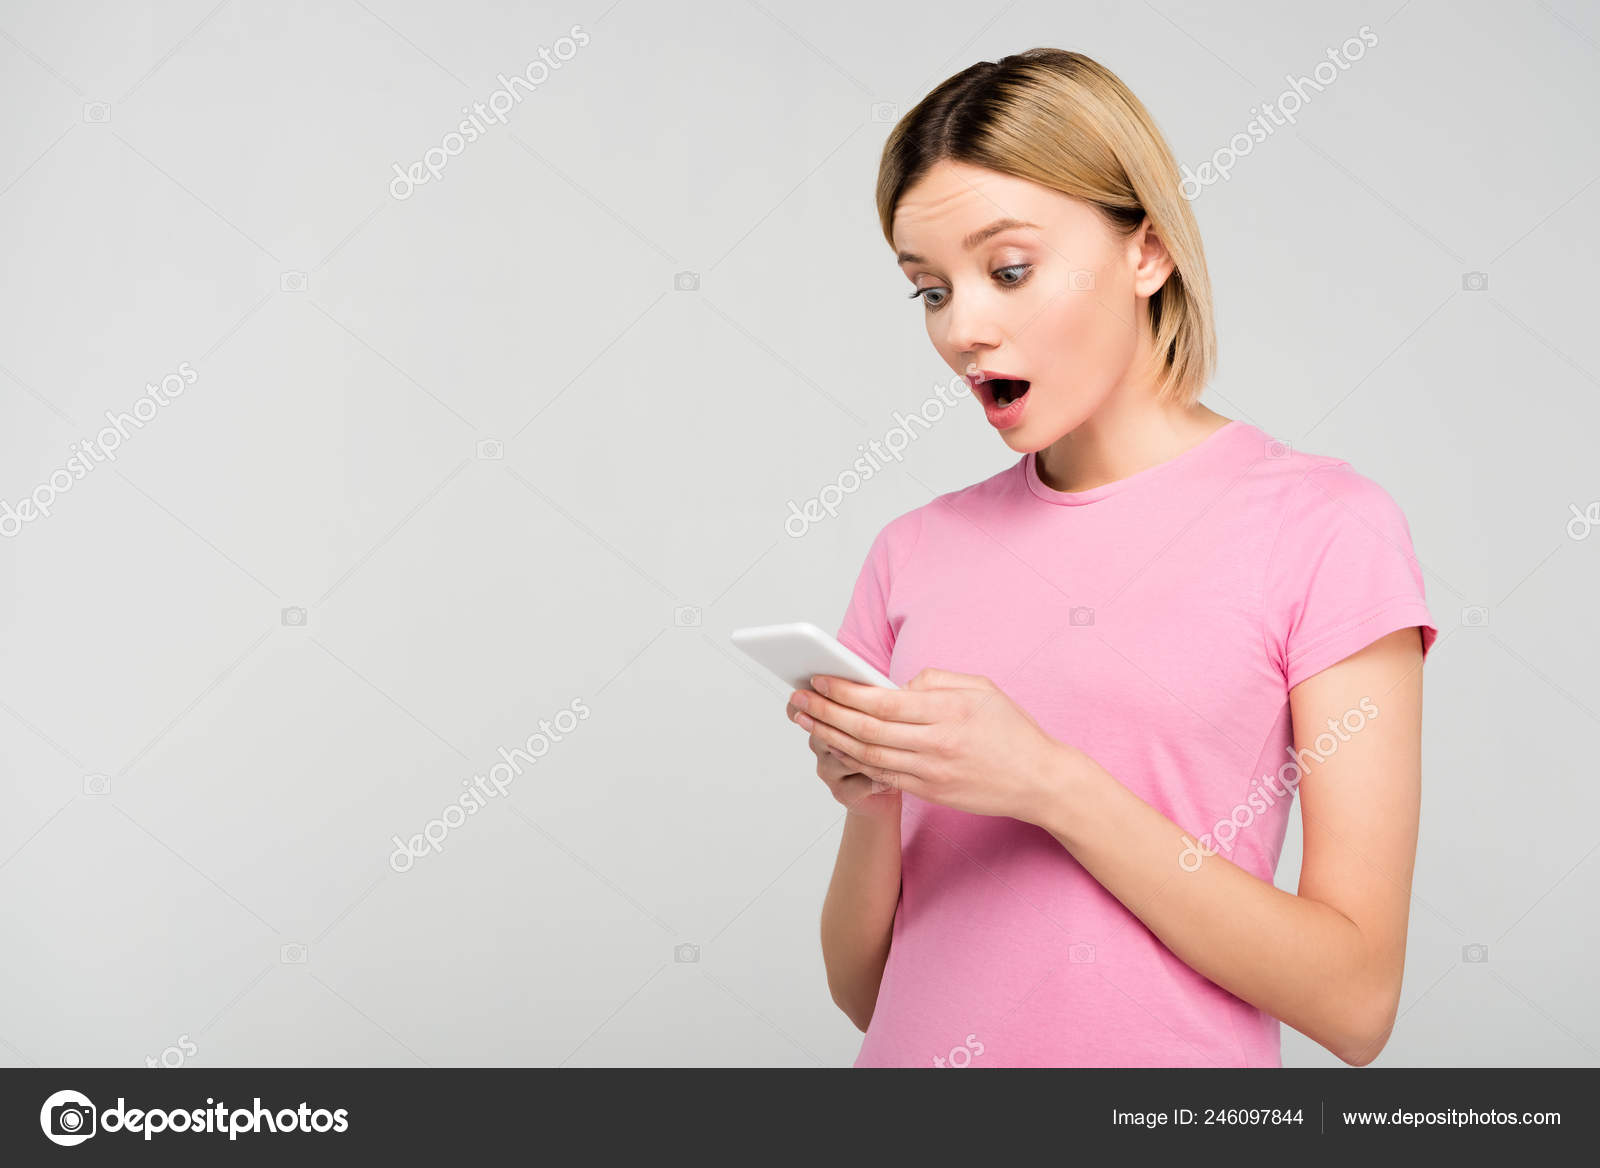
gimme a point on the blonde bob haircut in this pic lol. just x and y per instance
(1066, 122)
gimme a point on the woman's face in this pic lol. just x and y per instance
(1056, 304)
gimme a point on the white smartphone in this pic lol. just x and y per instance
(798, 652)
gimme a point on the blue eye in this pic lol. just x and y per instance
(1021, 270)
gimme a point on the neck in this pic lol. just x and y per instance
(1127, 434)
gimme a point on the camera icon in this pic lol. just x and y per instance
(685, 953)
(1081, 615)
(75, 1121)
(292, 954)
(885, 111)
(491, 449)
(1081, 280)
(686, 282)
(1475, 616)
(1081, 954)
(1277, 448)
(292, 282)
(96, 111)
(1475, 281)
(1475, 954)
(97, 784)
(295, 617)
(686, 616)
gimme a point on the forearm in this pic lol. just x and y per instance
(1299, 960)
(858, 913)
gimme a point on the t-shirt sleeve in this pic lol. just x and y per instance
(1341, 574)
(868, 627)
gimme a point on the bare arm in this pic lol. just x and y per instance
(1328, 961)
(858, 912)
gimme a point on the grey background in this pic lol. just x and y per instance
(164, 166)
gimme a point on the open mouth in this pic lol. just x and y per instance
(1006, 390)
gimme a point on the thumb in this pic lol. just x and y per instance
(945, 679)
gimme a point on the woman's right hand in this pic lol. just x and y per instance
(858, 794)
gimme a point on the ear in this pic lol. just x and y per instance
(1152, 262)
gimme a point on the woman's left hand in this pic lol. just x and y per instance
(950, 738)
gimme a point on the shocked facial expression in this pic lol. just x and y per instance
(1026, 292)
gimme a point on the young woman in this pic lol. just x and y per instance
(1121, 656)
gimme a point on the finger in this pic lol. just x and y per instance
(891, 705)
(844, 757)
(852, 791)
(832, 754)
(862, 727)
(831, 771)
(873, 786)
(829, 757)
(850, 766)
(834, 771)
(945, 679)
(872, 757)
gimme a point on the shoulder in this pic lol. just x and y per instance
(1328, 493)
(1295, 489)
(1329, 522)
(1342, 570)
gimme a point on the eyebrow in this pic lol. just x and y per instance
(972, 240)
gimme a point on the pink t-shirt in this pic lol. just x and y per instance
(1157, 623)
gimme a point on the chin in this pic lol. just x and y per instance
(1030, 437)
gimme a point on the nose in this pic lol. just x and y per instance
(972, 325)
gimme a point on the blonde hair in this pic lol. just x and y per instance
(1065, 121)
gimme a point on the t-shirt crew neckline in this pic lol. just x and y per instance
(1206, 445)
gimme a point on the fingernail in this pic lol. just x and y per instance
(805, 721)
(820, 686)
(799, 699)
